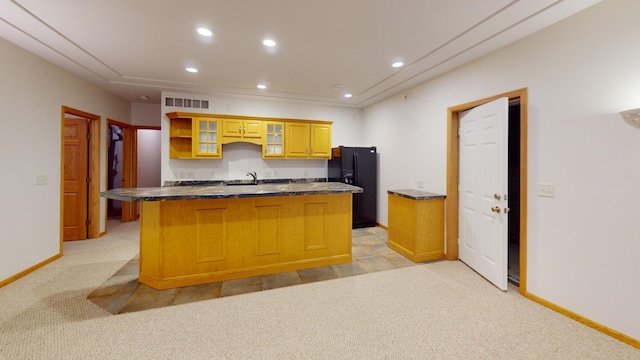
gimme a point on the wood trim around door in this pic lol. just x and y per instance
(93, 193)
(453, 176)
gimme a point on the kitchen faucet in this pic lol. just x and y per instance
(254, 176)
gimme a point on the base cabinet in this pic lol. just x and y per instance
(189, 242)
(416, 227)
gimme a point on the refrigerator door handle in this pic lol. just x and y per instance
(356, 169)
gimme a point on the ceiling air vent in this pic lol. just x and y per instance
(186, 103)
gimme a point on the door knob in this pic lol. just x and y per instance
(496, 196)
(495, 209)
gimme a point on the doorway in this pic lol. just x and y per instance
(517, 173)
(120, 168)
(80, 169)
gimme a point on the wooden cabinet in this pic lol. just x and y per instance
(201, 136)
(180, 138)
(193, 136)
(297, 142)
(246, 130)
(207, 143)
(190, 242)
(308, 140)
(273, 140)
(320, 137)
(416, 224)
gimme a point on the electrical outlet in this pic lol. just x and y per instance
(420, 183)
(191, 175)
(275, 173)
(213, 174)
(41, 179)
(181, 175)
(546, 190)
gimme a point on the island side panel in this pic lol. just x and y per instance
(204, 241)
(150, 240)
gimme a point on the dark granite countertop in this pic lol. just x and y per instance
(240, 182)
(227, 191)
(416, 194)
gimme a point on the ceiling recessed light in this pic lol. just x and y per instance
(205, 32)
(191, 69)
(269, 43)
(397, 64)
(262, 86)
(348, 95)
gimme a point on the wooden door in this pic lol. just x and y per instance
(483, 205)
(76, 172)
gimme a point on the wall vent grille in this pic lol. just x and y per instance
(186, 103)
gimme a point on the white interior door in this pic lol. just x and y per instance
(483, 203)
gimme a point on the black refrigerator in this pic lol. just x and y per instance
(357, 166)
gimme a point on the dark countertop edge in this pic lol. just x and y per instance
(416, 194)
(218, 196)
(225, 182)
(353, 189)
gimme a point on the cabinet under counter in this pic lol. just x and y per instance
(200, 234)
(416, 224)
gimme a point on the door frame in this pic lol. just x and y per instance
(93, 191)
(453, 176)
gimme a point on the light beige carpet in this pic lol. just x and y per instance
(440, 310)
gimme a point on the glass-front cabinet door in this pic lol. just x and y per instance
(207, 143)
(273, 145)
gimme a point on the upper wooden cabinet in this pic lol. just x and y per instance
(180, 138)
(308, 140)
(193, 136)
(273, 140)
(207, 142)
(201, 136)
(247, 130)
(320, 138)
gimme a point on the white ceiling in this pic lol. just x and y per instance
(141, 47)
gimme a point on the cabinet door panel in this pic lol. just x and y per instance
(320, 141)
(273, 141)
(297, 140)
(207, 144)
(232, 128)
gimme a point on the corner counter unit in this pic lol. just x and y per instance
(416, 224)
(193, 235)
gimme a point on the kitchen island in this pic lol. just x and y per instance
(193, 235)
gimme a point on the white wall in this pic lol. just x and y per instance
(143, 114)
(583, 245)
(239, 158)
(32, 92)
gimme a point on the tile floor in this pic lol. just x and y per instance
(123, 293)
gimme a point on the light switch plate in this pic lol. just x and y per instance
(41, 179)
(420, 183)
(546, 190)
